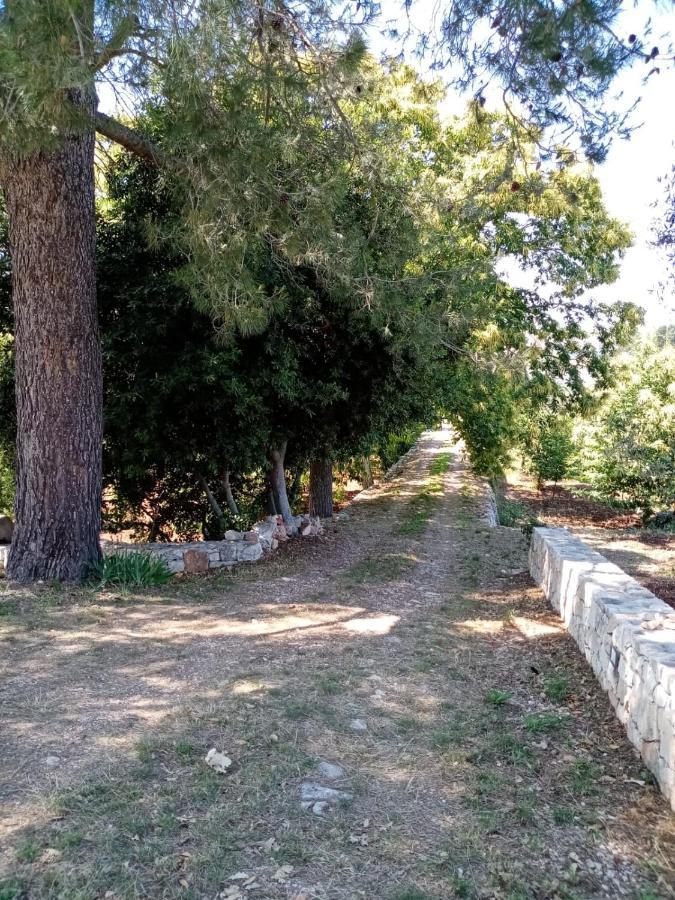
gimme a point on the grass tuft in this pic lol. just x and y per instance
(542, 723)
(131, 569)
(556, 688)
(498, 698)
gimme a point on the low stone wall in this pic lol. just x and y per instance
(200, 556)
(626, 634)
(238, 546)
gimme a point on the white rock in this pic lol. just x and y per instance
(311, 792)
(358, 725)
(218, 761)
(52, 762)
(320, 808)
(330, 771)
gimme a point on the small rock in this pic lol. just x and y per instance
(218, 761)
(231, 535)
(321, 808)
(251, 537)
(311, 792)
(330, 771)
(358, 725)
(52, 762)
(307, 531)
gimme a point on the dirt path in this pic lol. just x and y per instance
(476, 756)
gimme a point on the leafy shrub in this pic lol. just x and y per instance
(514, 514)
(396, 444)
(630, 447)
(511, 513)
(131, 569)
(551, 449)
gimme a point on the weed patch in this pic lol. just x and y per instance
(389, 567)
(497, 698)
(543, 723)
(420, 509)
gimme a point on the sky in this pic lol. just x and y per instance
(630, 175)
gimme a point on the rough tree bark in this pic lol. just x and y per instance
(278, 483)
(52, 232)
(321, 488)
(368, 480)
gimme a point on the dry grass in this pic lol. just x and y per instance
(491, 765)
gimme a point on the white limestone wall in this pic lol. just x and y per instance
(626, 634)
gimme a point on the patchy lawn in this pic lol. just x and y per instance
(471, 752)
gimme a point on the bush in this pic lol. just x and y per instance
(630, 453)
(551, 450)
(131, 569)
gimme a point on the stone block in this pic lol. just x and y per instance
(621, 629)
(195, 561)
(251, 552)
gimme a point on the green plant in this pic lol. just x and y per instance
(550, 448)
(563, 815)
(29, 851)
(12, 889)
(556, 688)
(462, 887)
(497, 698)
(540, 723)
(131, 568)
(583, 775)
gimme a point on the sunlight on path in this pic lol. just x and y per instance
(406, 720)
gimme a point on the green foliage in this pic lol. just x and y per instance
(397, 443)
(131, 569)
(556, 688)
(364, 287)
(628, 450)
(555, 60)
(550, 447)
(498, 698)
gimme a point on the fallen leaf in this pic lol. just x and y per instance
(283, 873)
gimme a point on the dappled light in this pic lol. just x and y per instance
(446, 690)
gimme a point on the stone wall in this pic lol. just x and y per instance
(238, 546)
(199, 556)
(626, 634)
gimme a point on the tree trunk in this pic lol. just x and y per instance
(321, 488)
(296, 484)
(270, 504)
(368, 479)
(229, 496)
(52, 232)
(278, 483)
(213, 503)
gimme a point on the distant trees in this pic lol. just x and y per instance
(629, 445)
(263, 104)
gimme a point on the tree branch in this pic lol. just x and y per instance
(135, 142)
